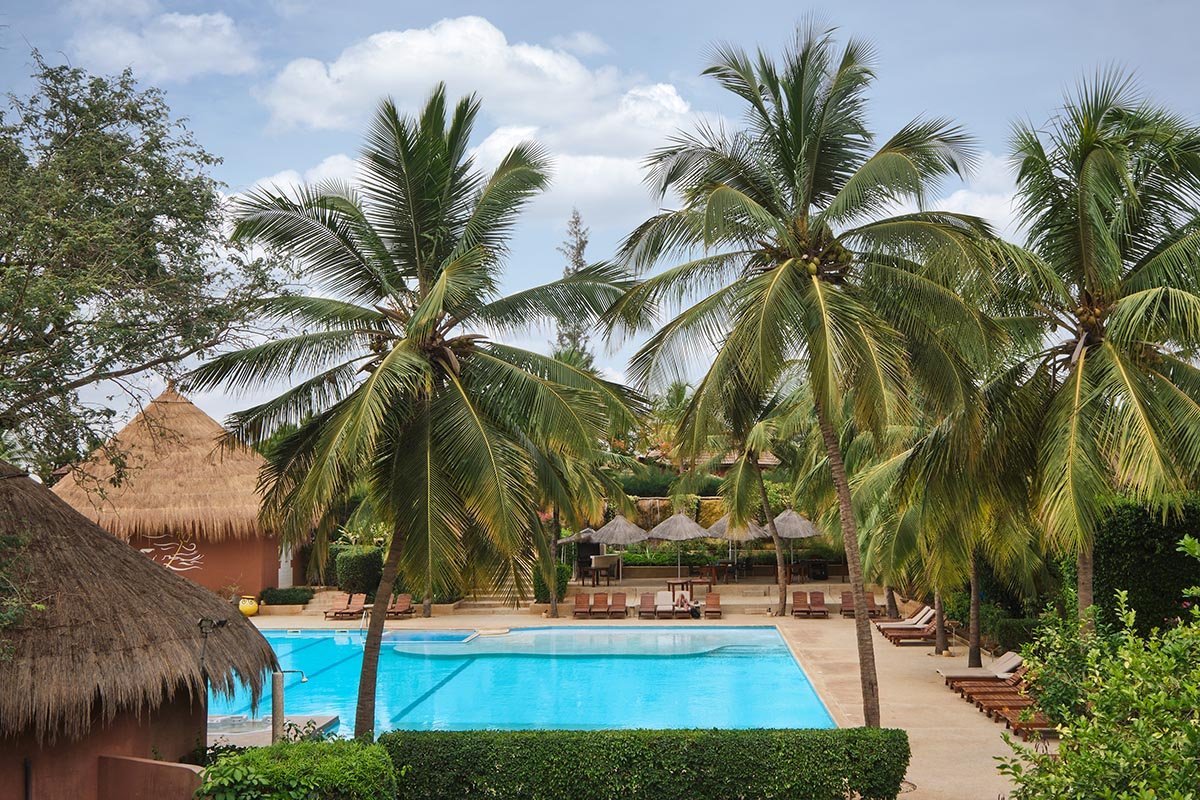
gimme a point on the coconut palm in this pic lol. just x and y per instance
(1109, 194)
(399, 382)
(788, 246)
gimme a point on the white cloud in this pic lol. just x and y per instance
(989, 194)
(168, 47)
(581, 42)
(339, 167)
(112, 8)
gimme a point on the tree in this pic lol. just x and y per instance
(397, 385)
(801, 264)
(572, 341)
(1109, 192)
(112, 262)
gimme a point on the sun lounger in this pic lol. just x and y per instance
(1002, 667)
(918, 620)
(873, 610)
(582, 605)
(712, 605)
(684, 611)
(401, 606)
(965, 687)
(816, 604)
(847, 604)
(919, 636)
(340, 605)
(800, 606)
(600, 604)
(646, 606)
(1037, 722)
(619, 606)
(664, 605)
(353, 610)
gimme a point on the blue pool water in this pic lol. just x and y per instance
(560, 677)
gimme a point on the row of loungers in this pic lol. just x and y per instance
(873, 609)
(660, 606)
(812, 604)
(355, 606)
(920, 628)
(1002, 696)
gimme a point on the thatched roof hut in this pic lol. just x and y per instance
(119, 633)
(177, 479)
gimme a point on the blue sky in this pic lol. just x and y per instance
(281, 89)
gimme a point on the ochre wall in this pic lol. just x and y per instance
(252, 563)
(70, 770)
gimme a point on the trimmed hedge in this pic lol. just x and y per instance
(295, 596)
(541, 593)
(330, 770)
(651, 765)
(359, 570)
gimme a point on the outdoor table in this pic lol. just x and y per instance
(710, 571)
(707, 582)
(680, 584)
(798, 572)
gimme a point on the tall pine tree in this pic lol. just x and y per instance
(572, 343)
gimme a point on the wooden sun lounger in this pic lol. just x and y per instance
(1012, 681)
(847, 604)
(600, 604)
(582, 605)
(816, 604)
(918, 620)
(646, 606)
(873, 610)
(1000, 669)
(353, 610)
(332, 611)
(712, 605)
(1037, 723)
(682, 612)
(401, 606)
(664, 605)
(619, 606)
(919, 636)
(800, 607)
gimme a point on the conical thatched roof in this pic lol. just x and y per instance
(178, 480)
(791, 525)
(584, 535)
(618, 530)
(677, 528)
(119, 632)
(721, 530)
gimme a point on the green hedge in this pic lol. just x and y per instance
(650, 765)
(1138, 552)
(359, 570)
(541, 593)
(1013, 634)
(330, 770)
(295, 596)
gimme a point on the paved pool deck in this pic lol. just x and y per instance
(954, 747)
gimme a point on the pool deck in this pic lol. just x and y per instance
(953, 746)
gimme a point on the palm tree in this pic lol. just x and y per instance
(1109, 193)
(790, 249)
(399, 382)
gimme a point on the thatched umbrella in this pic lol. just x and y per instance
(178, 478)
(792, 526)
(118, 634)
(721, 530)
(584, 535)
(678, 527)
(619, 530)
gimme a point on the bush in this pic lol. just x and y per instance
(650, 765)
(665, 557)
(329, 576)
(295, 596)
(333, 770)
(359, 570)
(1013, 634)
(1137, 552)
(541, 593)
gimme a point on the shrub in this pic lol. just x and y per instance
(541, 593)
(329, 576)
(665, 557)
(650, 765)
(1013, 634)
(359, 570)
(295, 596)
(333, 770)
(1136, 551)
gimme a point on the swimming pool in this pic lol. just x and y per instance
(570, 677)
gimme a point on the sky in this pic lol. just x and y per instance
(282, 89)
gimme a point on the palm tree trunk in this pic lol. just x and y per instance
(552, 578)
(893, 610)
(364, 715)
(974, 657)
(939, 640)
(427, 602)
(780, 567)
(1083, 581)
(862, 626)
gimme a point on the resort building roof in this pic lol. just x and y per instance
(118, 632)
(176, 477)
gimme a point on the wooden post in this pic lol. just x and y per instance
(276, 707)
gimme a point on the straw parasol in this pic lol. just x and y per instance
(119, 633)
(619, 530)
(721, 530)
(791, 525)
(584, 535)
(178, 478)
(678, 527)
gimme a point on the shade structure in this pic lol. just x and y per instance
(721, 530)
(791, 525)
(584, 535)
(619, 530)
(678, 527)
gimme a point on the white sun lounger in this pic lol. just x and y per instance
(664, 605)
(1001, 667)
(917, 621)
